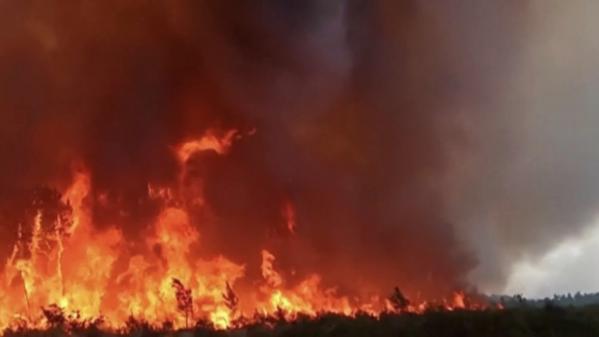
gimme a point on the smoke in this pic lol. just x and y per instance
(414, 139)
(530, 183)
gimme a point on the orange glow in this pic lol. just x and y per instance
(69, 265)
(458, 300)
(273, 279)
(209, 142)
(289, 217)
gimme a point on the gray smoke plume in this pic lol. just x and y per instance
(530, 181)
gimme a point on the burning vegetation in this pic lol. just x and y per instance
(228, 163)
(220, 161)
(65, 270)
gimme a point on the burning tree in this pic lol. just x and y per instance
(398, 300)
(55, 316)
(184, 300)
(231, 299)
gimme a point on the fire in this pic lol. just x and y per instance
(289, 217)
(459, 300)
(208, 142)
(68, 266)
(273, 279)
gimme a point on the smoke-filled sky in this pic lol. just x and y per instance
(426, 144)
(550, 186)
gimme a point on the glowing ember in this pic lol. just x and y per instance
(68, 267)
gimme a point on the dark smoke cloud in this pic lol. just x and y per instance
(389, 124)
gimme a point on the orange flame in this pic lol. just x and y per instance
(209, 142)
(68, 263)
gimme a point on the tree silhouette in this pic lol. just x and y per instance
(398, 300)
(231, 299)
(184, 300)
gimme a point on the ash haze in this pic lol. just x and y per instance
(433, 145)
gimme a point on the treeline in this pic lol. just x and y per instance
(577, 300)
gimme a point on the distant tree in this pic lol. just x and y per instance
(521, 300)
